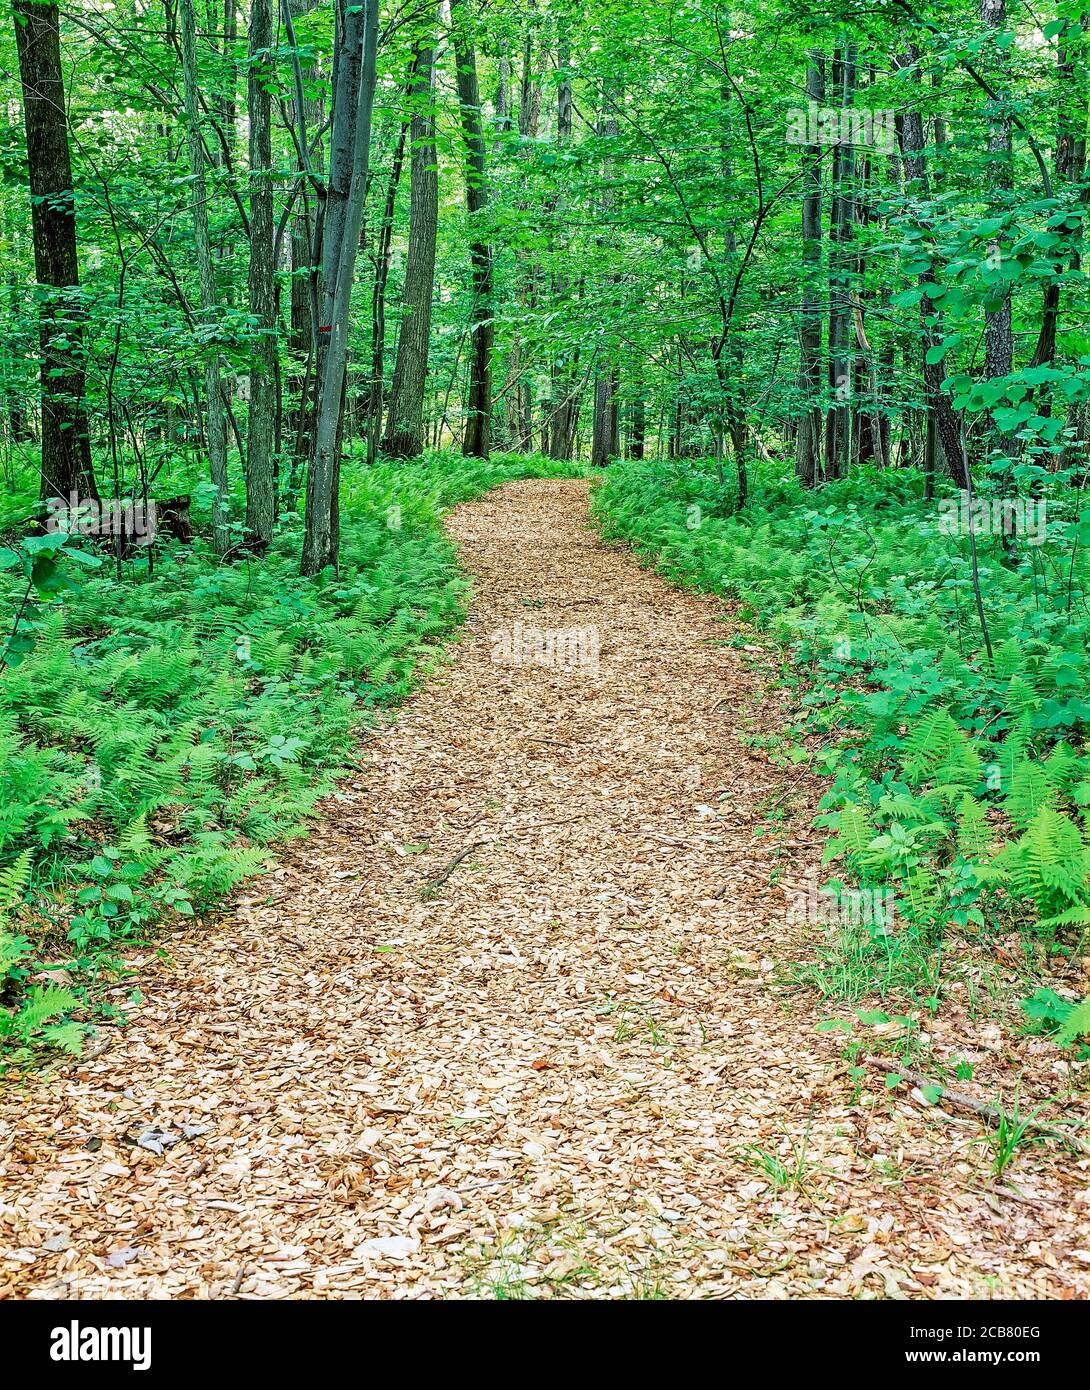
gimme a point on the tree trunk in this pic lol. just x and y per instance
(475, 441)
(350, 148)
(260, 454)
(841, 214)
(517, 391)
(808, 445)
(405, 426)
(604, 438)
(637, 423)
(563, 388)
(215, 418)
(998, 336)
(305, 114)
(66, 446)
(226, 105)
(378, 296)
(910, 125)
(1070, 164)
(604, 431)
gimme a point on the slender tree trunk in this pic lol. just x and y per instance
(405, 426)
(637, 425)
(226, 104)
(215, 417)
(1070, 163)
(517, 392)
(840, 230)
(1071, 166)
(998, 335)
(349, 156)
(260, 454)
(808, 445)
(604, 430)
(503, 90)
(305, 114)
(383, 255)
(912, 151)
(66, 445)
(563, 389)
(475, 441)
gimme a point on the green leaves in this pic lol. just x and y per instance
(160, 734)
(938, 352)
(1075, 1025)
(951, 788)
(1067, 1021)
(27, 1017)
(46, 561)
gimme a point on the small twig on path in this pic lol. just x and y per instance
(432, 885)
(986, 1111)
(775, 805)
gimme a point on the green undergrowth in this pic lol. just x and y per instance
(158, 736)
(958, 787)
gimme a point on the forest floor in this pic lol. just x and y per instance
(517, 1018)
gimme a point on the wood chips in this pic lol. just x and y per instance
(514, 1020)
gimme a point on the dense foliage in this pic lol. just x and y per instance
(961, 783)
(152, 749)
(810, 283)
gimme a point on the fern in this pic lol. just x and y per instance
(42, 1003)
(1075, 1025)
(1049, 864)
(973, 832)
(1030, 791)
(13, 883)
(935, 745)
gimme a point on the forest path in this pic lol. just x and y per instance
(547, 1073)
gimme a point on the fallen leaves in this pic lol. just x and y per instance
(544, 1079)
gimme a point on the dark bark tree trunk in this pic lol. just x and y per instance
(226, 103)
(867, 421)
(405, 426)
(66, 445)
(518, 395)
(260, 452)
(305, 115)
(476, 439)
(637, 424)
(604, 438)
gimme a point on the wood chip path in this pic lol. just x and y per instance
(513, 1022)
